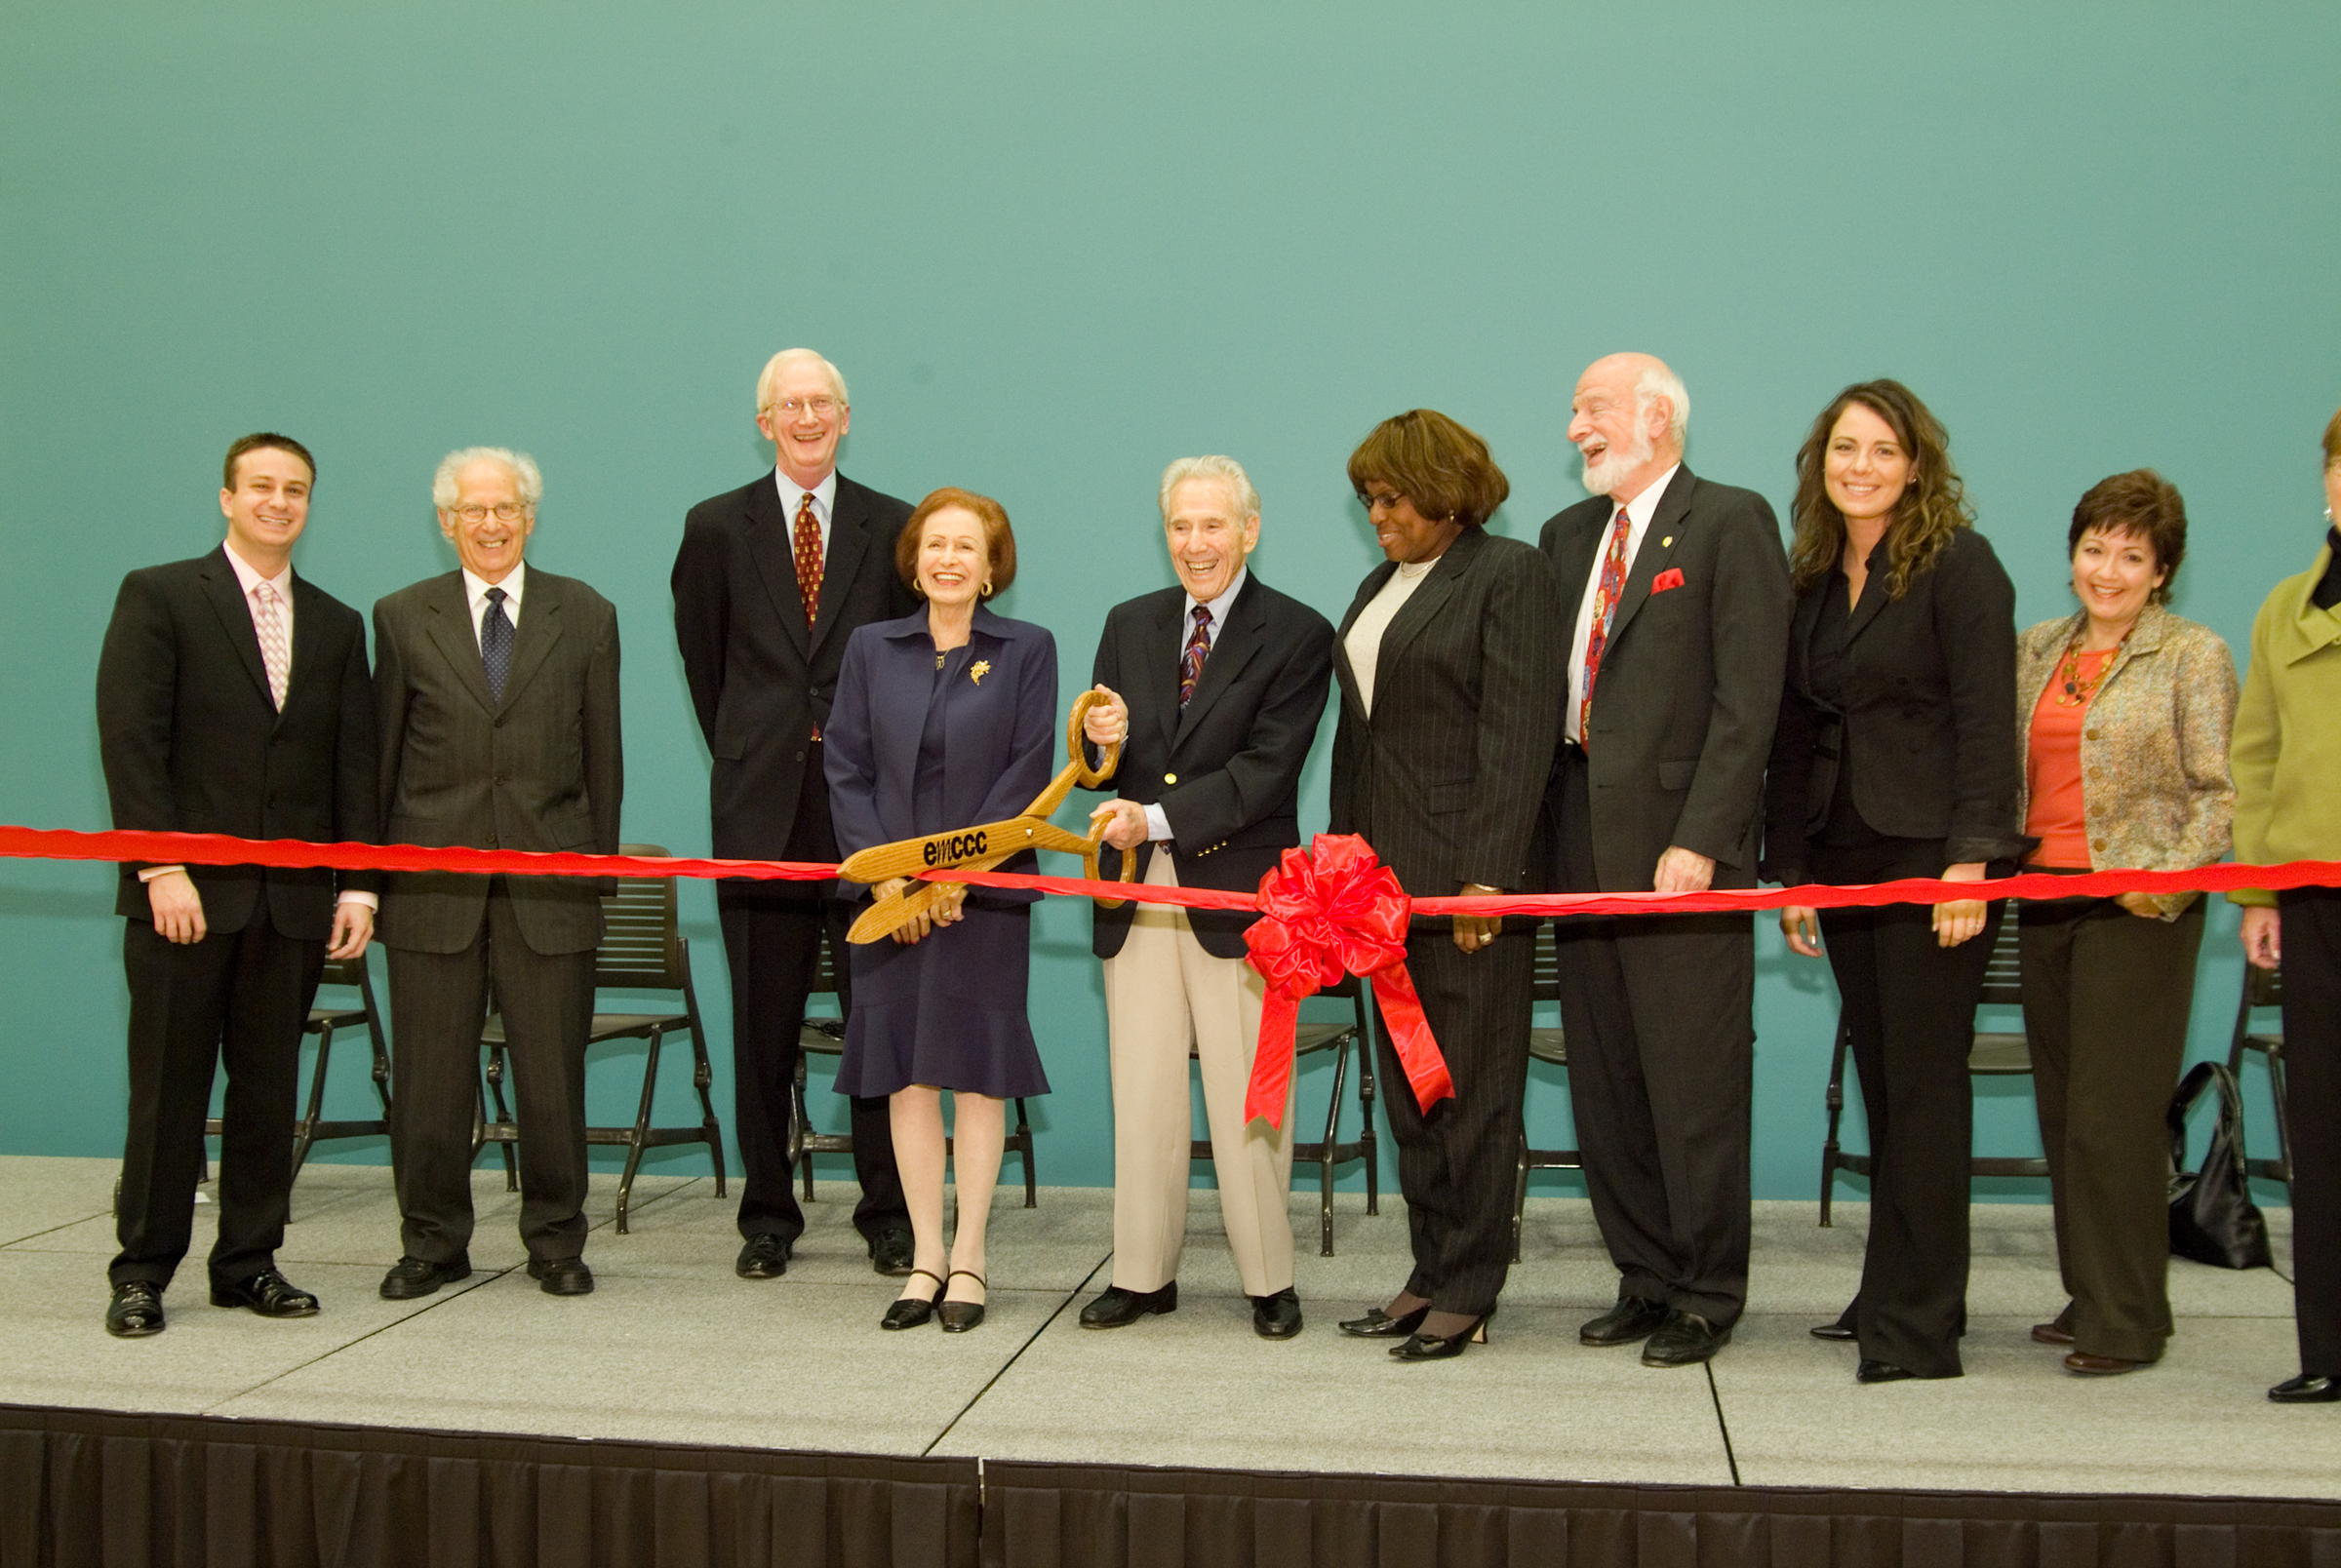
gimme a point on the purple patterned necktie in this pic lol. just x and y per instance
(1190, 659)
(1605, 605)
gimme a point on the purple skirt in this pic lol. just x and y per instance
(948, 1011)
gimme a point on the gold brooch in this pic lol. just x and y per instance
(979, 670)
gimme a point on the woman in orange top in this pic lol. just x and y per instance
(2124, 711)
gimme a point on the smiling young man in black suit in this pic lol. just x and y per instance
(1218, 685)
(770, 580)
(1680, 594)
(232, 697)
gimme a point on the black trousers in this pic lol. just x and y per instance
(242, 996)
(1909, 1005)
(1457, 1162)
(2106, 999)
(2312, 948)
(772, 942)
(438, 1003)
(1658, 1012)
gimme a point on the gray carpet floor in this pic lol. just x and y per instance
(672, 1347)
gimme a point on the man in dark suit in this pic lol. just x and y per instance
(1680, 594)
(231, 698)
(1218, 685)
(496, 688)
(770, 580)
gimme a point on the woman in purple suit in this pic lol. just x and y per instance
(944, 718)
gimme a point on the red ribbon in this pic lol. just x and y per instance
(1331, 911)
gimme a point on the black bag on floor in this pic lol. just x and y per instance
(2212, 1216)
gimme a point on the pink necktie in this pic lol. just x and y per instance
(1604, 605)
(274, 654)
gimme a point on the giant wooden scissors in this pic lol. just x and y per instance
(983, 847)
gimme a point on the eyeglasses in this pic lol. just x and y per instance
(1386, 500)
(505, 512)
(824, 405)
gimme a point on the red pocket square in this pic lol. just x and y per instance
(1671, 578)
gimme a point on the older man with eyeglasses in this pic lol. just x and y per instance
(495, 696)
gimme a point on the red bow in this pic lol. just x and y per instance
(1334, 910)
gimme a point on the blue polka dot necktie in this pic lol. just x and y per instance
(495, 644)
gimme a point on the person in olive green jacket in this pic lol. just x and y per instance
(2286, 757)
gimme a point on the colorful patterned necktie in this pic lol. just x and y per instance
(809, 557)
(275, 656)
(1190, 659)
(1604, 605)
(495, 644)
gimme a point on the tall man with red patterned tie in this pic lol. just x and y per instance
(1681, 597)
(770, 580)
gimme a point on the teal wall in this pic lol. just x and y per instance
(1054, 245)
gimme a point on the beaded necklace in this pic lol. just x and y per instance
(2072, 690)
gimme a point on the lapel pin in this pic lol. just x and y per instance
(1667, 543)
(979, 670)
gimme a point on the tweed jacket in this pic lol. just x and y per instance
(2156, 792)
(2287, 745)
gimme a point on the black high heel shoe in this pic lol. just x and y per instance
(958, 1316)
(1380, 1324)
(910, 1311)
(1437, 1348)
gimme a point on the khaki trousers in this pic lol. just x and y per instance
(1162, 990)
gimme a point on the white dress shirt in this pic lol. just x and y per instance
(1158, 826)
(1639, 512)
(824, 500)
(475, 596)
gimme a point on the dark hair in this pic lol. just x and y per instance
(1438, 464)
(2139, 504)
(256, 442)
(2333, 440)
(1933, 509)
(998, 539)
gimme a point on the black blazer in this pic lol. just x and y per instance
(1689, 683)
(1929, 720)
(191, 743)
(540, 769)
(1446, 778)
(761, 679)
(1226, 771)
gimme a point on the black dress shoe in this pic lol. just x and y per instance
(1634, 1317)
(764, 1256)
(1834, 1333)
(2309, 1388)
(1119, 1307)
(913, 1311)
(1380, 1324)
(268, 1293)
(137, 1311)
(1277, 1317)
(892, 1250)
(562, 1276)
(413, 1277)
(1685, 1339)
(1881, 1372)
(958, 1316)
(1440, 1348)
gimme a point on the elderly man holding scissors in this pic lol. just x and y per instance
(1215, 687)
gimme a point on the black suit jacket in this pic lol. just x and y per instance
(1226, 770)
(1446, 778)
(1928, 721)
(543, 767)
(191, 743)
(761, 679)
(1689, 682)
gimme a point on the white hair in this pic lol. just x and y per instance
(520, 464)
(1226, 470)
(1657, 382)
(780, 363)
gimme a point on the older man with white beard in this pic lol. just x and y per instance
(1682, 596)
(1217, 687)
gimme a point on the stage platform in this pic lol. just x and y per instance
(673, 1349)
